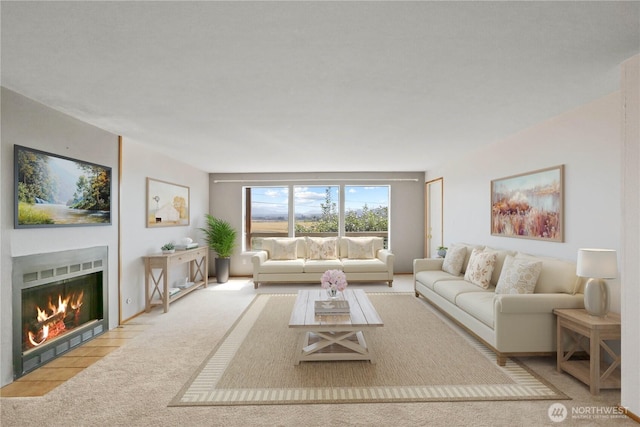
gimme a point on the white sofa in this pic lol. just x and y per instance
(305, 259)
(511, 324)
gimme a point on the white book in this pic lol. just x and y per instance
(339, 306)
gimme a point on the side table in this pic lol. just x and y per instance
(579, 326)
(156, 275)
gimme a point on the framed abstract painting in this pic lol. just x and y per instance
(529, 205)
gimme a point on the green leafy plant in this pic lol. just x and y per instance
(168, 247)
(442, 248)
(220, 236)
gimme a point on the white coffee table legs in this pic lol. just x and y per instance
(318, 345)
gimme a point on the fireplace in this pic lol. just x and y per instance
(60, 300)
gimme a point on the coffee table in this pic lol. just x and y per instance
(334, 337)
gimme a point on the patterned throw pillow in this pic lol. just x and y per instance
(518, 276)
(322, 248)
(285, 249)
(360, 248)
(480, 268)
(454, 259)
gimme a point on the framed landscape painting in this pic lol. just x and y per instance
(167, 204)
(57, 191)
(529, 205)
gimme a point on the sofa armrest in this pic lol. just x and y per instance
(386, 256)
(424, 264)
(259, 257)
(536, 303)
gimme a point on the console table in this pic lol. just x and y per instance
(156, 280)
(580, 326)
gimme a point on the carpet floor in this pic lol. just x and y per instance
(419, 359)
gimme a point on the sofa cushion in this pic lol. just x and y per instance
(285, 249)
(321, 265)
(467, 256)
(363, 265)
(450, 289)
(322, 248)
(453, 259)
(343, 245)
(360, 248)
(429, 277)
(556, 276)
(282, 266)
(478, 304)
(480, 268)
(267, 243)
(501, 255)
(519, 276)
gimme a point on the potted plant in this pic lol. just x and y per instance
(168, 248)
(442, 251)
(221, 238)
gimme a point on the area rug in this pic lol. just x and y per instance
(420, 358)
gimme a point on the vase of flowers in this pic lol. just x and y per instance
(333, 281)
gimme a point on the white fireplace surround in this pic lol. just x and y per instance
(40, 269)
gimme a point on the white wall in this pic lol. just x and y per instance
(406, 209)
(138, 164)
(631, 235)
(27, 123)
(587, 142)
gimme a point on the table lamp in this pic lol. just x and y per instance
(597, 264)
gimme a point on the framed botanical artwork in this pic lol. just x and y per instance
(167, 204)
(529, 205)
(57, 191)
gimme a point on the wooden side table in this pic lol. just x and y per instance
(580, 326)
(156, 275)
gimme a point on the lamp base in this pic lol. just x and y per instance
(596, 297)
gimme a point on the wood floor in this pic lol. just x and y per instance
(49, 376)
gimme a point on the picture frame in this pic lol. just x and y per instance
(167, 204)
(529, 205)
(51, 190)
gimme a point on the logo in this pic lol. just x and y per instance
(557, 412)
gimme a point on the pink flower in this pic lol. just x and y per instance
(334, 279)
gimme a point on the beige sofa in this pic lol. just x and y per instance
(510, 323)
(305, 259)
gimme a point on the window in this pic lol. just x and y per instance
(266, 212)
(366, 211)
(316, 210)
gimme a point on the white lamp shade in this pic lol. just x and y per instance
(597, 263)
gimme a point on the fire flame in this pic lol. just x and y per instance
(51, 324)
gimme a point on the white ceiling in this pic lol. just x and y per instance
(315, 86)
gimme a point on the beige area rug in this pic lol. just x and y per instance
(420, 358)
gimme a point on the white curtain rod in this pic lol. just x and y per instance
(245, 181)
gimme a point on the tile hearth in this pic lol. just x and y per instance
(46, 378)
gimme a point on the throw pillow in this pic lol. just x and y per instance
(360, 248)
(480, 268)
(454, 259)
(322, 248)
(518, 276)
(285, 249)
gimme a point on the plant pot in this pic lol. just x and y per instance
(222, 269)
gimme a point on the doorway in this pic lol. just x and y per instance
(434, 236)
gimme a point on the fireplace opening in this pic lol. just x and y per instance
(60, 300)
(54, 310)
